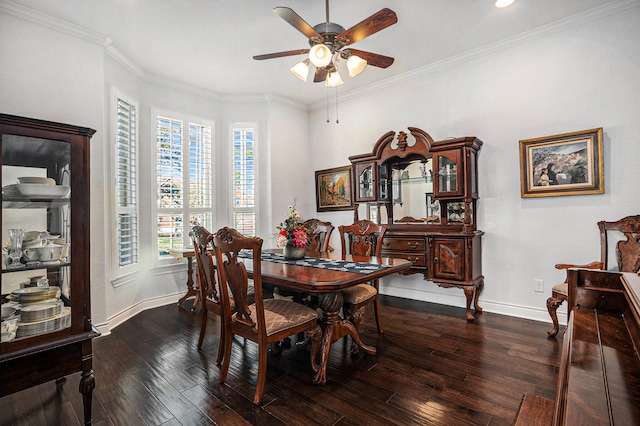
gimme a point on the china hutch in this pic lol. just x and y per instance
(46, 312)
(426, 192)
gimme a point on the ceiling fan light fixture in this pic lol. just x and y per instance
(333, 79)
(504, 3)
(355, 65)
(301, 70)
(320, 55)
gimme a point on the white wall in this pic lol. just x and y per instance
(575, 79)
(53, 76)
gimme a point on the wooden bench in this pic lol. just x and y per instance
(599, 377)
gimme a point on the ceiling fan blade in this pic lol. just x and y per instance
(374, 23)
(297, 22)
(281, 54)
(321, 75)
(373, 59)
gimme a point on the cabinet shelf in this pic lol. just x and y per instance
(42, 265)
(33, 203)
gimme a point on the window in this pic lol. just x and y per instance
(126, 242)
(244, 180)
(184, 166)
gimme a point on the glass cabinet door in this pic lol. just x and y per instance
(366, 181)
(35, 221)
(448, 172)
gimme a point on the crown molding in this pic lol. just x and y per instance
(525, 37)
(48, 21)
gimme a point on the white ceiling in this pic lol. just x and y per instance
(209, 44)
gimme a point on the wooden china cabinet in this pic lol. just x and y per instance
(426, 192)
(46, 311)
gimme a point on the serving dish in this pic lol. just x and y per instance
(34, 294)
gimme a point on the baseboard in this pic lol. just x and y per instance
(130, 312)
(459, 300)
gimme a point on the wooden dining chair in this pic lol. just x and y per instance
(202, 240)
(320, 235)
(363, 238)
(625, 233)
(267, 320)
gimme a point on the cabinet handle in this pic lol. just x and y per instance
(413, 244)
(414, 260)
(436, 260)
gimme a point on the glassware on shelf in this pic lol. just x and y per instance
(15, 247)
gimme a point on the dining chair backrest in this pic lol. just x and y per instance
(320, 234)
(202, 240)
(363, 238)
(234, 280)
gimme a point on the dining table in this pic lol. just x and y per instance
(325, 275)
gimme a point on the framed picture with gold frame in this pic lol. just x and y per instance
(565, 164)
(334, 190)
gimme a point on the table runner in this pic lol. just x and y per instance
(314, 262)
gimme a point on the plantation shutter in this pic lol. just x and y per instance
(244, 181)
(126, 183)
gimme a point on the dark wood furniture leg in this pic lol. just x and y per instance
(192, 288)
(334, 327)
(479, 288)
(552, 306)
(87, 384)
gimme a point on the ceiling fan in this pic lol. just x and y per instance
(329, 42)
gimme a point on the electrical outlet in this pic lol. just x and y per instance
(538, 286)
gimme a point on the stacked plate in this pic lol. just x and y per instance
(58, 322)
(40, 311)
(25, 296)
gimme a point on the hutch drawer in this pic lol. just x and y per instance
(403, 244)
(418, 260)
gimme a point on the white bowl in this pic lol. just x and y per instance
(37, 179)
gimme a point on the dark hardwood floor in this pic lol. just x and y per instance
(432, 368)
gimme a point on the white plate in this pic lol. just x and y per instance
(34, 190)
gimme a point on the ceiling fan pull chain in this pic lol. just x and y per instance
(337, 118)
(327, 104)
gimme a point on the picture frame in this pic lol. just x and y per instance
(334, 189)
(565, 164)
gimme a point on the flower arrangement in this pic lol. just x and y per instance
(291, 232)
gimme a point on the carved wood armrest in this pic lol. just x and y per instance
(592, 265)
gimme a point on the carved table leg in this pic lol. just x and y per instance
(192, 290)
(87, 384)
(552, 307)
(334, 327)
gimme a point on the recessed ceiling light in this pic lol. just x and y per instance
(504, 3)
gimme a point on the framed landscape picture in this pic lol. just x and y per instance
(566, 164)
(334, 189)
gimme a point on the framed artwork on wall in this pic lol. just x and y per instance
(566, 164)
(334, 190)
